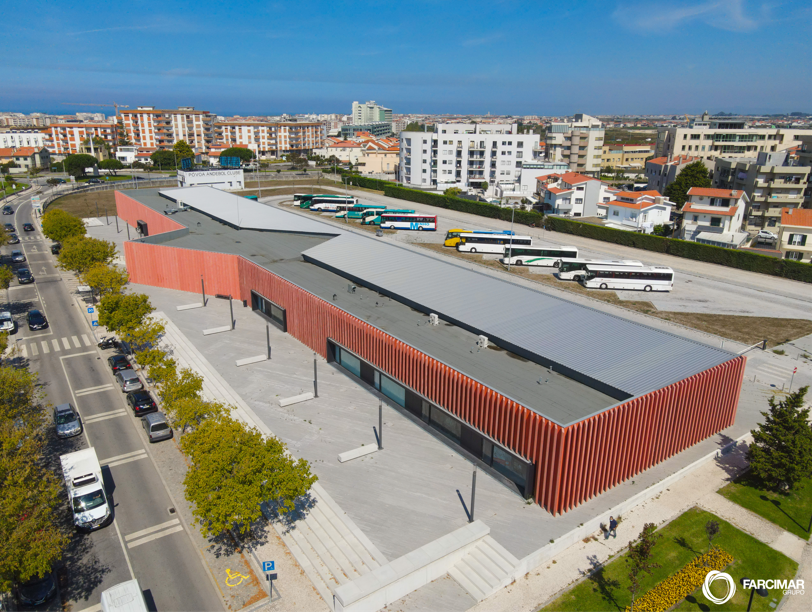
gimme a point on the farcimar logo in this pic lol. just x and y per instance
(712, 577)
(787, 587)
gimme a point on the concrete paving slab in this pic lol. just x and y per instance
(216, 330)
(296, 399)
(190, 306)
(355, 453)
(250, 360)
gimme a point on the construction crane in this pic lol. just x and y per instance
(117, 106)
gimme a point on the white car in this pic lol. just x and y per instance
(766, 235)
(6, 322)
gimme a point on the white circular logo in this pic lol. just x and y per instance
(712, 576)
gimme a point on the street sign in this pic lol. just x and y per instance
(95, 323)
(268, 566)
(270, 577)
(91, 310)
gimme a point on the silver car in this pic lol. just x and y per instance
(156, 427)
(128, 381)
(67, 421)
(17, 256)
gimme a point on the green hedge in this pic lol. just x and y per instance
(732, 258)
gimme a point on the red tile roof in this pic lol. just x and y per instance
(634, 195)
(26, 151)
(573, 178)
(556, 190)
(634, 205)
(678, 160)
(711, 210)
(799, 217)
(734, 194)
(6, 152)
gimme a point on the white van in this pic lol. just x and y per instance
(88, 500)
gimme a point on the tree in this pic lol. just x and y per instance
(18, 393)
(163, 159)
(235, 469)
(453, 191)
(3, 236)
(3, 342)
(298, 161)
(182, 150)
(245, 155)
(79, 254)
(143, 340)
(692, 175)
(75, 165)
(639, 557)
(781, 452)
(190, 412)
(6, 276)
(59, 225)
(180, 385)
(104, 279)
(484, 185)
(119, 311)
(111, 164)
(712, 529)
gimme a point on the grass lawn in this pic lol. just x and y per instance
(682, 540)
(83, 205)
(110, 178)
(791, 512)
(18, 187)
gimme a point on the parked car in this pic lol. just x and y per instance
(141, 402)
(36, 320)
(13, 239)
(118, 363)
(60, 181)
(93, 180)
(10, 228)
(24, 276)
(156, 427)
(8, 210)
(766, 235)
(28, 227)
(17, 256)
(128, 381)
(36, 590)
(56, 247)
(6, 322)
(67, 421)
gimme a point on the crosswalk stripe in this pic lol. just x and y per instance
(155, 536)
(66, 342)
(93, 390)
(148, 530)
(55, 342)
(45, 348)
(114, 414)
(76, 342)
(123, 461)
(25, 352)
(125, 455)
(86, 340)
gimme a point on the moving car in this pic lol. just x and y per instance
(8, 210)
(36, 590)
(17, 256)
(93, 180)
(6, 322)
(13, 239)
(67, 421)
(156, 427)
(36, 320)
(141, 402)
(56, 247)
(118, 363)
(28, 227)
(24, 276)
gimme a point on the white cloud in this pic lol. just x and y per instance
(651, 16)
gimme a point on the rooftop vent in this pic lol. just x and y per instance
(434, 319)
(482, 342)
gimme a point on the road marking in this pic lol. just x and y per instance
(85, 340)
(154, 536)
(24, 352)
(148, 530)
(55, 342)
(76, 342)
(105, 415)
(91, 390)
(126, 458)
(66, 342)
(45, 348)
(234, 577)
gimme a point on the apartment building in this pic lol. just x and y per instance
(714, 216)
(378, 129)
(626, 155)
(661, 172)
(147, 126)
(572, 194)
(270, 139)
(465, 154)
(638, 211)
(22, 138)
(770, 184)
(369, 112)
(578, 142)
(795, 235)
(805, 159)
(67, 138)
(711, 138)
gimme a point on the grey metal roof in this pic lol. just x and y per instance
(612, 354)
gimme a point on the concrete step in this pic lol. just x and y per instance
(306, 529)
(306, 565)
(498, 554)
(486, 568)
(467, 579)
(316, 570)
(349, 560)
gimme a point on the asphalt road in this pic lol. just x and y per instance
(146, 540)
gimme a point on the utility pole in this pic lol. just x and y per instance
(512, 214)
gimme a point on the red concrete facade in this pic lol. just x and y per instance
(573, 464)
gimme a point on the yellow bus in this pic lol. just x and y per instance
(452, 236)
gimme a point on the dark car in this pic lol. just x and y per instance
(93, 180)
(36, 320)
(118, 363)
(28, 227)
(36, 590)
(10, 228)
(13, 239)
(141, 402)
(24, 276)
(56, 248)
(59, 181)
(8, 210)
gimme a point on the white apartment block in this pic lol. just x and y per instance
(638, 211)
(715, 216)
(578, 143)
(147, 126)
(462, 154)
(267, 139)
(22, 138)
(67, 138)
(369, 112)
(709, 138)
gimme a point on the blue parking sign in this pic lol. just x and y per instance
(90, 310)
(268, 566)
(95, 323)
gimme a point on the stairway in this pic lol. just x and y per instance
(485, 569)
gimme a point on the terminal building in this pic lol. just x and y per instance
(558, 401)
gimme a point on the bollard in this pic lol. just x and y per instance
(380, 424)
(473, 494)
(315, 378)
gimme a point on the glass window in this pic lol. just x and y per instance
(393, 390)
(351, 362)
(447, 424)
(507, 465)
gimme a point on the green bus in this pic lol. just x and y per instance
(306, 200)
(375, 218)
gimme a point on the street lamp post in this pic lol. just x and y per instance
(512, 214)
(753, 591)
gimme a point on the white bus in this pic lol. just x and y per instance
(409, 222)
(490, 243)
(569, 269)
(323, 203)
(647, 278)
(522, 255)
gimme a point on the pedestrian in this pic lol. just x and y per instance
(613, 526)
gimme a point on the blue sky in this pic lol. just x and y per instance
(503, 57)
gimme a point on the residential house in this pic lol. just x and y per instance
(795, 234)
(571, 194)
(380, 158)
(714, 216)
(661, 171)
(639, 211)
(629, 156)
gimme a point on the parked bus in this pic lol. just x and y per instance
(490, 243)
(452, 236)
(373, 217)
(646, 278)
(408, 221)
(252, 197)
(358, 210)
(303, 199)
(306, 200)
(574, 269)
(331, 203)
